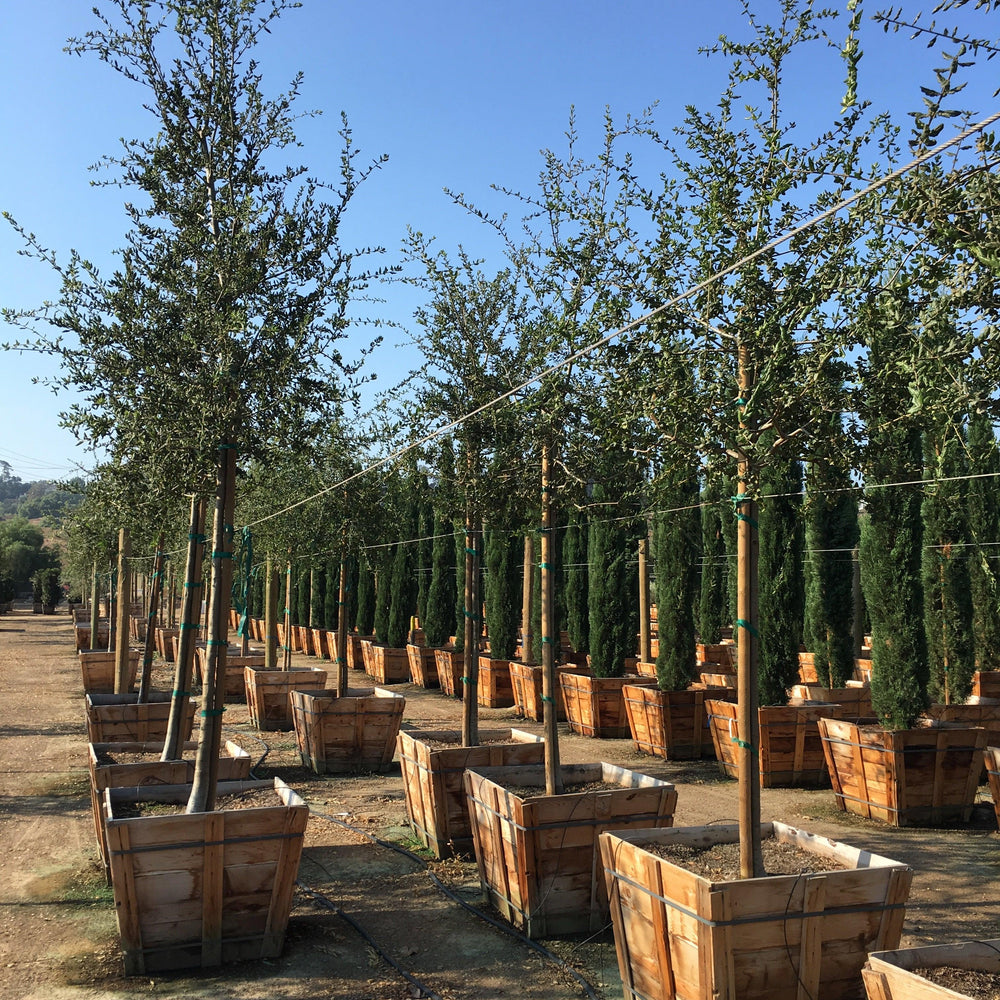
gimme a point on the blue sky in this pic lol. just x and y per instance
(458, 94)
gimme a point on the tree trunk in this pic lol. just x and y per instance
(748, 550)
(94, 608)
(342, 625)
(550, 721)
(528, 599)
(206, 773)
(188, 632)
(154, 602)
(286, 659)
(122, 613)
(271, 587)
(645, 643)
(473, 630)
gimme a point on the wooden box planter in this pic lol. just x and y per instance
(202, 889)
(992, 758)
(356, 651)
(986, 684)
(595, 706)
(320, 647)
(423, 671)
(353, 733)
(538, 855)
(303, 639)
(892, 975)
(98, 669)
(526, 683)
(436, 804)
(984, 712)
(791, 751)
(137, 628)
(780, 937)
(863, 671)
(81, 636)
(495, 688)
(852, 702)
(450, 666)
(723, 680)
(268, 693)
(668, 724)
(645, 668)
(164, 646)
(294, 642)
(807, 669)
(722, 653)
(236, 689)
(926, 775)
(234, 765)
(119, 718)
(387, 664)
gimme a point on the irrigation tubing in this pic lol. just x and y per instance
(324, 901)
(485, 917)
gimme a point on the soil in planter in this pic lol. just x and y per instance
(254, 798)
(451, 744)
(968, 982)
(569, 788)
(721, 862)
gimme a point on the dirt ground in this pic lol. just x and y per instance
(361, 905)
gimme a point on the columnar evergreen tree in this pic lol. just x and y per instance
(425, 548)
(317, 596)
(892, 528)
(331, 575)
(385, 557)
(831, 535)
(946, 551)
(459, 623)
(614, 582)
(577, 576)
(403, 580)
(781, 584)
(439, 619)
(984, 524)
(713, 611)
(504, 561)
(303, 597)
(366, 595)
(676, 547)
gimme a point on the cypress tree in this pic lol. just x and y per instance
(729, 535)
(402, 594)
(713, 596)
(383, 591)
(331, 594)
(947, 584)
(439, 620)
(351, 591)
(317, 602)
(577, 576)
(366, 596)
(676, 545)
(781, 585)
(612, 594)
(303, 598)
(831, 515)
(425, 550)
(892, 529)
(984, 524)
(504, 561)
(459, 588)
